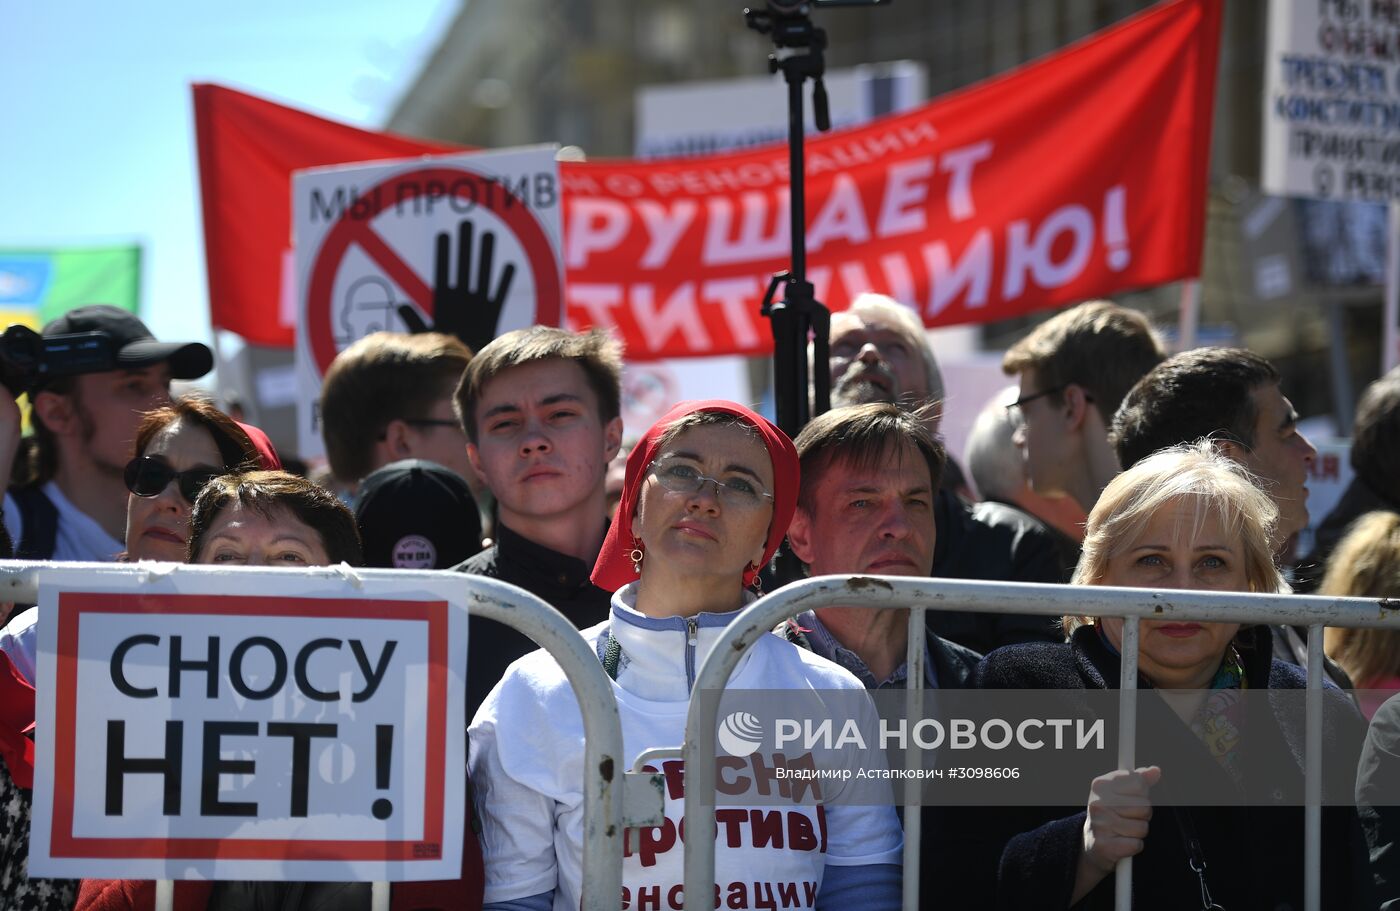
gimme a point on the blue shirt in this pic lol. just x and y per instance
(825, 644)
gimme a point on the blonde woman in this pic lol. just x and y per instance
(1366, 564)
(1184, 518)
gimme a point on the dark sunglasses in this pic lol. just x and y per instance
(147, 477)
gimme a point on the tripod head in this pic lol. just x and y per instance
(800, 55)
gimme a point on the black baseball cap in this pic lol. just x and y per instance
(416, 514)
(135, 345)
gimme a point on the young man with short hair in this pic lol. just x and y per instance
(388, 397)
(72, 503)
(1234, 396)
(869, 477)
(540, 408)
(1074, 369)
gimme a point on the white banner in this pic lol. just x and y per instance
(313, 732)
(465, 244)
(1332, 100)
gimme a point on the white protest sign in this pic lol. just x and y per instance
(467, 244)
(314, 732)
(1332, 100)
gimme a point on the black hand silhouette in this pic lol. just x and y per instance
(470, 313)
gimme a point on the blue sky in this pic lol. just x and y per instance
(97, 130)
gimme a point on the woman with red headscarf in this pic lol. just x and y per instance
(707, 498)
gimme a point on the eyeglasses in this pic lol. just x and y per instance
(737, 493)
(148, 477)
(1020, 403)
(423, 422)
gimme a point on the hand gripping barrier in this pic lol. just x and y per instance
(603, 801)
(924, 594)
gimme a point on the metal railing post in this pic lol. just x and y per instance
(1312, 776)
(1127, 745)
(914, 709)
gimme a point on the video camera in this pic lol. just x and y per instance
(28, 359)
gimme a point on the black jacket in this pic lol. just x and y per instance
(1378, 796)
(558, 579)
(1026, 856)
(953, 664)
(996, 543)
(1357, 500)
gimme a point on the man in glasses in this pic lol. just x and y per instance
(540, 408)
(72, 505)
(388, 397)
(1074, 369)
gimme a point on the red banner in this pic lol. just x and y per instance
(248, 149)
(1077, 176)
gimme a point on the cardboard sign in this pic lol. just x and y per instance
(1331, 80)
(310, 734)
(465, 244)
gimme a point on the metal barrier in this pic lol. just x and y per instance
(923, 594)
(605, 793)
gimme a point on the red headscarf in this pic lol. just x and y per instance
(16, 718)
(267, 453)
(614, 568)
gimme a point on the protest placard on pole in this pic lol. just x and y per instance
(465, 244)
(1332, 119)
(309, 733)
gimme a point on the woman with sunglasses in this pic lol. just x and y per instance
(707, 498)
(179, 448)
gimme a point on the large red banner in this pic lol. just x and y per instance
(1077, 176)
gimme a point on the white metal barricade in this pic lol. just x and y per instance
(923, 594)
(605, 789)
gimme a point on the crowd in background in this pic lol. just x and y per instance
(1107, 462)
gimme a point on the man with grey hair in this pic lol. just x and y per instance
(881, 353)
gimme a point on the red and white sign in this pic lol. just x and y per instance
(305, 735)
(382, 247)
(1079, 175)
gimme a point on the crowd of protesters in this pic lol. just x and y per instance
(1110, 463)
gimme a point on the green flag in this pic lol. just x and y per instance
(39, 285)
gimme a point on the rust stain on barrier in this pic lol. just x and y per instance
(1157, 609)
(612, 830)
(605, 768)
(857, 583)
(1386, 605)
